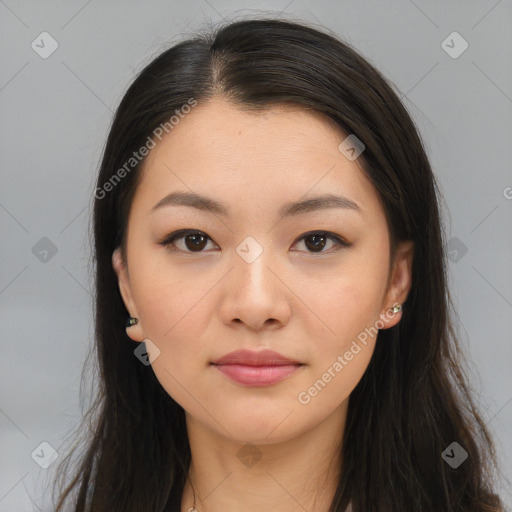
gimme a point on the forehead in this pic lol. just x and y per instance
(223, 130)
(279, 154)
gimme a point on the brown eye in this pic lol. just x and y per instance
(315, 242)
(194, 241)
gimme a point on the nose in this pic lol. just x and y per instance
(255, 294)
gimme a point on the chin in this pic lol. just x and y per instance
(257, 428)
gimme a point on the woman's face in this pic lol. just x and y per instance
(259, 275)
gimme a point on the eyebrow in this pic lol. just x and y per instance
(208, 204)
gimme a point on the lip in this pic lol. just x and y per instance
(251, 358)
(261, 368)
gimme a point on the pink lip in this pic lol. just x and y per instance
(251, 358)
(257, 375)
(256, 368)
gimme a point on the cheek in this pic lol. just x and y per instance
(342, 347)
(166, 295)
(348, 303)
(175, 319)
(345, 349)
(176, 313)
(346, 299)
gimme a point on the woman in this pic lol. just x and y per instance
(267, 221)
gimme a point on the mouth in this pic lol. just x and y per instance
(252, 368)
(262, 375)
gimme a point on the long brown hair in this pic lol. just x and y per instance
(413, 401)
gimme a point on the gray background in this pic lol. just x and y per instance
(55, 113)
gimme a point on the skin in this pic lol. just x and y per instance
(309, 306)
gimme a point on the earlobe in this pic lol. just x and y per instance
(134, 331)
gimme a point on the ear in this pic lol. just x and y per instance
(400, 284)
(135, 331)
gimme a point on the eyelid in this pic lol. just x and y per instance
(337, 239)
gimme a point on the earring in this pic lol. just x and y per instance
(396, 308)
(131, 321)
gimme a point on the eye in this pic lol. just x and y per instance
(318, 241)
(195, 241)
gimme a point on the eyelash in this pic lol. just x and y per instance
(170, 239)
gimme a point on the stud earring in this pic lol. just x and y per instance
(396, 308)
(131, 321)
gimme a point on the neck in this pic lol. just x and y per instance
(285, 475)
